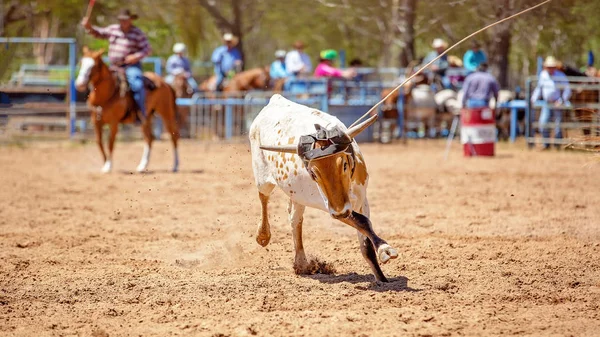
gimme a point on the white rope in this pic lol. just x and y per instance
(444, 53)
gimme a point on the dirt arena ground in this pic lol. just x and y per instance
(502, 246)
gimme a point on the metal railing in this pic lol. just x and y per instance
(579, 116)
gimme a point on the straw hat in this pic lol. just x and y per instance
(439, 43)
(280, 53)
(551, 62)
(179, 47)
(455, 61)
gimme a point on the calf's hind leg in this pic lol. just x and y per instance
(296, 212)
(263, 236)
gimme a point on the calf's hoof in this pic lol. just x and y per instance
(385, 253)
(263, 238)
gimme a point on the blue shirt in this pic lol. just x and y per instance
(442, 63)
(224, 59)
(177, 64)
(472, 59)
(277, 70)
(553, 88)
(480, 85)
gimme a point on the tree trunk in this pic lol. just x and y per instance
(408, 37)
(499, 50)
(237, 27)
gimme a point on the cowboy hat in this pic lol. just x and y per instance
(179, 47)
(455, 61)
(551, 62)
(228, 37)
(299, 45)
(125, 14)
(439, 43)
(280, 53)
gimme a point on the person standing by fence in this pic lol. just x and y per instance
(297, 63)
(553, 88)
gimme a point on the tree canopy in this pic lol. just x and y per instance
(380, 32)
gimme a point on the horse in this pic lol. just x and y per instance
(183, 89)
(253, 79)
(110, 105)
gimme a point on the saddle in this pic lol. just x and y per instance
(121, 79)
(124, 90)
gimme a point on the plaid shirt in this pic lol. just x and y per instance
(122, 44)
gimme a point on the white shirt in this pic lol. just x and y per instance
(295, 60)
(552, 88)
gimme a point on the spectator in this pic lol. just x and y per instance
(479, 88)
(179, 64)
(277, 70)
(474, 57)
(326, 68)
(127, 47)
(438, 68)
(297, 63)
(553, 88)
(227, 60)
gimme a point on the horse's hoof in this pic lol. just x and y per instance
(141, 168)
(385, 253)
(107, 167)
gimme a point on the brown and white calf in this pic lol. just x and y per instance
(314, 160)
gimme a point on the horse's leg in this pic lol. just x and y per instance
(148, 137)
(98, 127)
(114, 127)
(171, 124)
(167, 109)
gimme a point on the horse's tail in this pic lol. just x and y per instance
(174, 95)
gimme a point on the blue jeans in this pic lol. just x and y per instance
(545, 116)
(135, 80)
(476, 103)
(219, 82)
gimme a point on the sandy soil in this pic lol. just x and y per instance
(502, 246)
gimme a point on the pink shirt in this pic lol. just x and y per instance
(325, 70)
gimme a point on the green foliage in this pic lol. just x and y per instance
(364, 28)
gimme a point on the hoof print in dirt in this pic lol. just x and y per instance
(315, 266)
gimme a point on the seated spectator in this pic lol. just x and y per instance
(179, 64)
(326, 68)
(357, 63)
(277, 70)
(455, 72)
(438, 68)
(474, 57)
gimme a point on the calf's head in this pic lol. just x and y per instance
(330, 160)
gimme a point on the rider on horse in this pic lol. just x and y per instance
(128, 45)
(178, 64)
(227, 60)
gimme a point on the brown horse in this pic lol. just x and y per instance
(111, 107)
(183, 90)
(253, 79)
